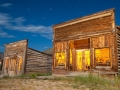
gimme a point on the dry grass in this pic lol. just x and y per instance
(61, 83)
(33, 84)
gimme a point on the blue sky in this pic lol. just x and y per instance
(32, 19)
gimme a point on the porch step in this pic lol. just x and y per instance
(103, 68)
(106, 72)
(59, 71)
(78, 73)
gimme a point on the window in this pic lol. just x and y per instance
(102, 57)
(60, 59)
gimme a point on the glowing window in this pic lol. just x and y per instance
(102, 57)
(60, 59)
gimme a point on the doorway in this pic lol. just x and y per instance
(13, 66)
(82, 59)
(79, 55)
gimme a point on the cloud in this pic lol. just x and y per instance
(4, 19)
(6, 4)
(44, 31)
(5, 35)
(7, 22)
(19, 20)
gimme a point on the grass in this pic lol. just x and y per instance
(29, 76)
(6, 77)
(78, 82)
(92, 81)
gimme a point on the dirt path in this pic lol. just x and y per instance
(37, 84)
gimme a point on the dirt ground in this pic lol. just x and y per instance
(37, 84)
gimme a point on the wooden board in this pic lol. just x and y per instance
(95, 25)
(14, 58)
(38, 62)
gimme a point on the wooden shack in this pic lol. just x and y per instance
(87, 44)
(20, 59)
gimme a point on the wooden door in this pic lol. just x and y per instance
(13, 66)
(82, 59)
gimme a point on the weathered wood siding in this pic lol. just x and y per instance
(118, 48)
(98, 31)
(14, 58)
(38, 62)
(58, 48)
(86, 27)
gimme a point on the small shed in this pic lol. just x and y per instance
(86, 44)
(20, 59)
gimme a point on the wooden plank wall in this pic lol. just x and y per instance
(86, 27)
(60, 47)
(118, 49)
(102, 41)
(18, 50)
(38, 62)
(98, 30)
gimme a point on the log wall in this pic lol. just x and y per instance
(38, 62)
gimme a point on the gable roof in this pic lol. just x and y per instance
(49, 51)
(38, 51)
(12, 43)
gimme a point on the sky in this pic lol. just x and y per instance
(33, 19)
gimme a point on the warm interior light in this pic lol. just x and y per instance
(79, 59)
(87, 57)
(70, 57)
(60, 58)
(82, 59)
(102, 56)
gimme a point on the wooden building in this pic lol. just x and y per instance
(87, 44)
(20, 59)
(1, 59)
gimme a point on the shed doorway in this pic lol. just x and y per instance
(82, 59)
(13, 66)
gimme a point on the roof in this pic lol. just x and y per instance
(1, 55)
(26, 40)
(38, 51)
(85, 18)
(49, 51)
(118, 27)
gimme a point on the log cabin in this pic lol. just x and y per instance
(20, 59)
(89, 43)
